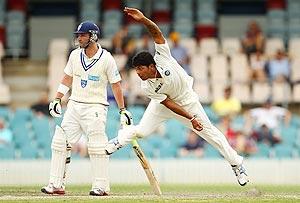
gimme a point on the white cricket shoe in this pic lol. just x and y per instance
(112, 146)
(98, 192)
(50, 189)
(241, 175)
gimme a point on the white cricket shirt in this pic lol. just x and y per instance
(175, 82)
(91, 75)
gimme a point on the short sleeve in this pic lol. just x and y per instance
(163, 50)
(69, 67)
(112, 71)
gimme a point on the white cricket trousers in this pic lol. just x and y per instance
(157, 113)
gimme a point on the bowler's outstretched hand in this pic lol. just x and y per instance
(134, 13)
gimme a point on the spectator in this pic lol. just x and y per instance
(193, 146)
(257, 67)
(130, 50)
(265, 122)
(5, 134)
(118, 40)
(236, 137)
(279, 67)
(41, 108)
(147, 43)
(253, 40)
(227, 105)
(179, 52)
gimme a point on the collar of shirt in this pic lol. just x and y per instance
(96, 56)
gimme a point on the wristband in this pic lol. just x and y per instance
(63, 89)
(193, 118)
(122, 109)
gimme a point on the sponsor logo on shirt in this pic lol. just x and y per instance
(167, 73)
(158, 87)
(83, 83)
(93, 78)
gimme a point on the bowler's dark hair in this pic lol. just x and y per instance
(143, 58)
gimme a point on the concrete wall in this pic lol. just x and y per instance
(26, 172)
(43, 29)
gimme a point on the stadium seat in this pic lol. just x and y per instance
(219, 69)
(5, 113)
(91, 15)
(199, 68)
(242, 92)
(190, 44)
(211, 152)
(134, 4)
(209, 46)
(164, 27)
(5, 97)
(231, 46)
(161, 5)
(58, 46)
(283, 151)
(260, 92)
(263, 151)
(239, 68)
(109, 29)
(147, 148)
(289, 135)
(175, 132)
(296, 93)
(204, 31)
(28, 152)
(293, 48)
(135, 30)
(218, 90)
(168, 150)
(121, 60)
(272, 45)
(203, 91)
(112, 17)
(111, 4)
(293, 8)
(186, 29)
(7, 152)
(206, 17)
(123, 153)
(281, 92)
(41, 128)
(294, 28)
(275, 4)
(156, 140)
(213, 117)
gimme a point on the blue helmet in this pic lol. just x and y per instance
(88, 27)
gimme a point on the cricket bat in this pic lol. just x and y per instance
(147, 168)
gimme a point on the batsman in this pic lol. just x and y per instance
(88, 71)
(170, 89)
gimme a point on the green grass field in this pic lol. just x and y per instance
(171, 193)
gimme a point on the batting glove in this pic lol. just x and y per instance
(125, 117)
(55, 108)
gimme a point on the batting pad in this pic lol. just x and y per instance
(58, 159)
(99, 162)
